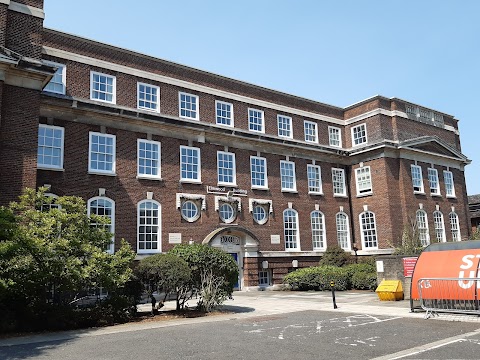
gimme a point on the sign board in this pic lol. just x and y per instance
(175, 238)
(379, 265)
(229, 240)
(222, 190)
(275, 239)
(409, 265)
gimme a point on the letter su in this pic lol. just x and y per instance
(467, 264)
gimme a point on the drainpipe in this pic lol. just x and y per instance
(348, 171)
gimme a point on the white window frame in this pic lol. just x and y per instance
(422, 227)
(363, 231)
(111, 248)
(114, 87)
(449, 184)
(265, 211)
(159, 229)
(234, 172)
(231, 119)
(198, 179)
(264, 277)
(364, 178)
(279, 129)
(336, 183)
(262, 119)
(318, 171)
(158, 160)
(63, 78)
(319, 236)
(415, 179)
(439, 226)
(190, 219)
(307, 126)
(62, 147)
(197, 103)
(294, 181)
(353, 129)
(339, 132)
(156, 103)
(343, 232)
(454, 226)
(432, 180)
(97, 171)
(265, 177)
(292, 241)
(234, 213)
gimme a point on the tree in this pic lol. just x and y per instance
(410, 243)
(50, 255)
(214, 273)
(168, 273)
(475, 234)
(334, 255)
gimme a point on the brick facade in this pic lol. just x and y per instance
(394, 141)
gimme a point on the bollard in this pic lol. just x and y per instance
(332, 285)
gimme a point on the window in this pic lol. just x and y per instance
(259, 214)
(148, 159)
(454, 226)
(50, 147)
(102, 87)
(149, 227)
(188, 106)
(433, 181)
(314, 175)
(417, 179)
(226, 168)
(311, 131)
(334, 136)
(101, 157)
(343, 234)
(190, 211)
(439, 227)
(105, 207)
(227, 213)
(359, 135)
(224, 113)
(258, 172)
(318, 230)
(255, 120)
(368, 230)
(50, 202)
(190, 165)
(58, 82)
(148, 97)
(338, 180)
(264, 277)
(284, 126)
(287, 175)
(364, 180)
(449, 185)
(422, 227)
(290, 229)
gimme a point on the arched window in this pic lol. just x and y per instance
(149, 227)
(50, 202)
(103, 206)
(343, 233)
(439, 226)
(290, 229)
(318, 230)
(454, 226)
(422, 227)
(368, 230)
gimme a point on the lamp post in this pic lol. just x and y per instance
(355, 249)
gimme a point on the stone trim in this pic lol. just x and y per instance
(24, 9)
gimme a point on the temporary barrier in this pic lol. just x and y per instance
(446, 274)
(449, 295)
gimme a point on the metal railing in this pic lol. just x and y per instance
(449, 295)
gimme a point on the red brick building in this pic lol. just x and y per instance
(175, 155)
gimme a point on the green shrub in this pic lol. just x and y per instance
(364, 281)
(317, 278)
(335, 256)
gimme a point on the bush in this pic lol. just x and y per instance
(362, 276)
(335, 256)
(317, 278)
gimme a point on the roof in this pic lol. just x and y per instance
(474, 199)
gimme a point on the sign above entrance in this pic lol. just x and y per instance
(222, 190)
(229, 240)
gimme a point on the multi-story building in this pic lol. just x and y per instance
(172, 154)
(474, 208)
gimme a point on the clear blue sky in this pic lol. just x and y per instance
(336, 52)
